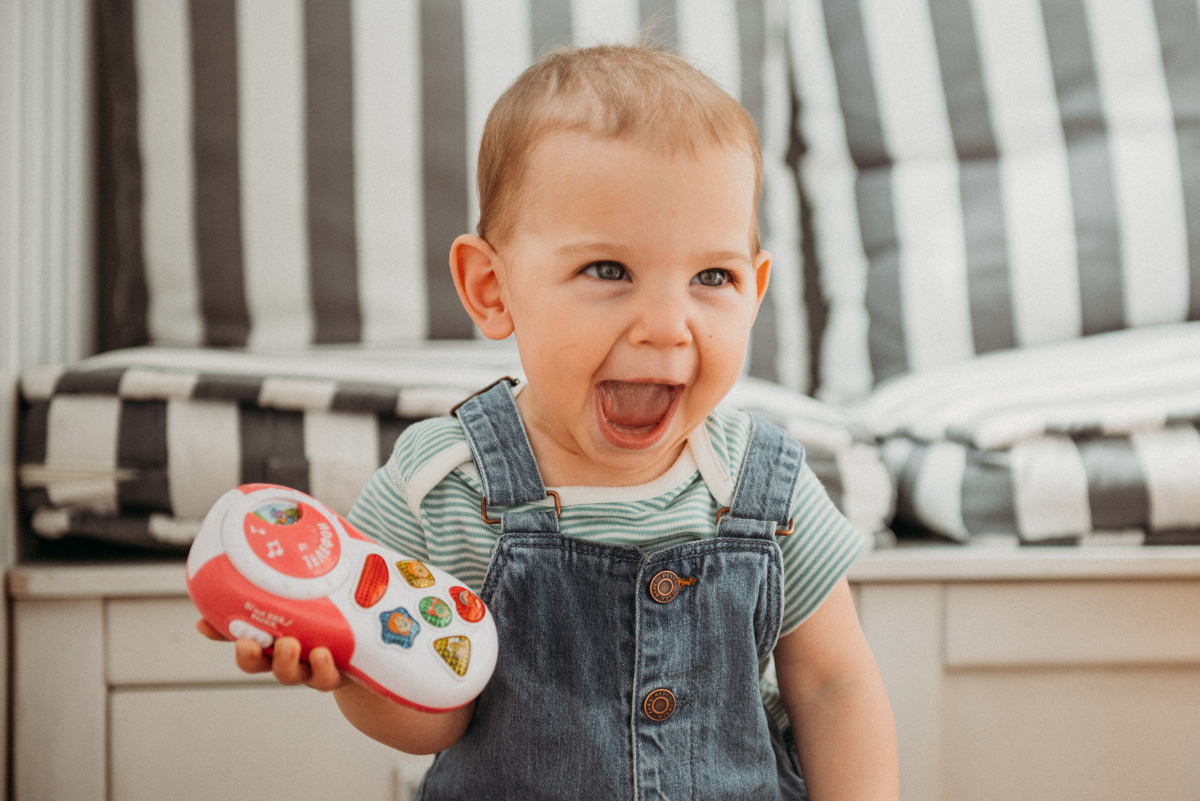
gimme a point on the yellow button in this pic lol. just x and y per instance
(664, 587)
(659, 705)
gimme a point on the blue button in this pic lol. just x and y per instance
(399, 628)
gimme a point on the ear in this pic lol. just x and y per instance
(475, 266)
(762, 276)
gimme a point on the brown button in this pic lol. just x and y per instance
(664, 587)
(659, 705)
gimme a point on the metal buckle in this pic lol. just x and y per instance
(779, 532)
(494, 520)
(454, 409)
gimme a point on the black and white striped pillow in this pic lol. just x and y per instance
(990, 174)
(1131, 489)
(300, 169)
(134, 446)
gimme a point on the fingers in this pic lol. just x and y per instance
(320, 673)
(250, 657)
(325, 673)
(286, 664)
(210, 631)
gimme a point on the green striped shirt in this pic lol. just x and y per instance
(424, 503)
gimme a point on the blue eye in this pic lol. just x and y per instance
(607, 270)
(714, 277)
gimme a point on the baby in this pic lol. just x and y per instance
(640, 600)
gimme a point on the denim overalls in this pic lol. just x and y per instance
(624, 675)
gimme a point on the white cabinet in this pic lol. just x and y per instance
(1051, 674)
(1041, 675)
(118, 697)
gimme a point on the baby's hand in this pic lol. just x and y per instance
(320, 672)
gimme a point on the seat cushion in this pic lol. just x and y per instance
(994, 174)
(1092, 440)
(133, 447)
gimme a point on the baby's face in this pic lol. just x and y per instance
(632, 289)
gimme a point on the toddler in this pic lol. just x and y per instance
(638, 601)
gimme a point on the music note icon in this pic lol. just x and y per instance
(274, 549)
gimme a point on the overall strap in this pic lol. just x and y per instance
(762, 500)
(502, 455)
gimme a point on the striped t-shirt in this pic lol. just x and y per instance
(424, 503)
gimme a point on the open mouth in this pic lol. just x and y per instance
(635, 414)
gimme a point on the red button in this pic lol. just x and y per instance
(659, 705)
(470, 608)
(373, 582)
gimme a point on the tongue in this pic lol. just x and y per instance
(634, 405)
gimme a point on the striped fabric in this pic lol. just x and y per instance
(1091, 440)
(1137, 489)
(991, 174)
(1117, 383)
(300, 168)
(425, 503)
(133, 447)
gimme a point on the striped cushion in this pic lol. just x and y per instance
(990, 174)
(1091, 440)
(1136, 489)
(1116, 383)
(134, 446)
(300, 169)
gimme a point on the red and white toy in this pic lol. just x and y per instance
(271, 561)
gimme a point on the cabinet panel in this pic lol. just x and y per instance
(264, 743)
(903, 626)
(1052, 734)
(1066, 623)
(154, 641)
(58, 701)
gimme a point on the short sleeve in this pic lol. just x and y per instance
(382, 514)
(817, 555)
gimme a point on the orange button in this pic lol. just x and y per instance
(659, 705)
(373, 582)
(664, 587)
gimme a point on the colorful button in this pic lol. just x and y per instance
(456, 651)
(399, 628)
(415, 573)
(659, 705)
(373, 582)
(664, 587)
(470, 608)
(435, 611)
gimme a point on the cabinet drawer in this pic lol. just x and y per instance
(154, 641)
(1073, 623)
(264, 743)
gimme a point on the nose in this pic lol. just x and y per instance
(662, 319)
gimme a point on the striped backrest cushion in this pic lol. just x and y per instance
(990, 174)
(304, 166)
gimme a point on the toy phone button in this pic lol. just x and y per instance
(241, 629)
(373, 582)
(470, 608)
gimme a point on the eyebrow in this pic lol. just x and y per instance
(582, 248)
(588, 247)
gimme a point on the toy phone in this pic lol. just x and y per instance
(270, 561)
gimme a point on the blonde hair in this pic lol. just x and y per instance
(616, 91)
